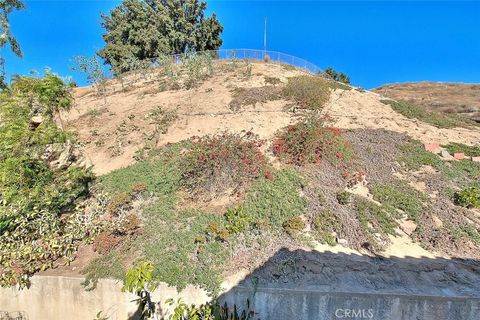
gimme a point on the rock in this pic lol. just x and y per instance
(459, 156)
(408, 226)
(432, 147)
(446, 156)
(476, 159)
(438, 223)
(343, 242)
(35, 121)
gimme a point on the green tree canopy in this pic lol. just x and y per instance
(6, 37)
(143, 29)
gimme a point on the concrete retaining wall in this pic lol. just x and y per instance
(279, 304)
(52, 298)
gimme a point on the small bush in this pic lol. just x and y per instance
(344, 197)
(250, 96)
(294, 225)
(237, 220)
(309, 142)
(337, 76)
(325, 224)
(309, 92)
(218, 163)
(468, 197)
(120, 203)
(106, 242)
(272, 80)
(218, 232)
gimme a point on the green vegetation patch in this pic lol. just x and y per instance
(472, 151)
(34, 193)
(325, 224)
(274, 201)
(399, 196)
(374, 219)
(468, 197)
(414, 156)
(440, 120)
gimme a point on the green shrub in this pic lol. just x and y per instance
(468, 197)
(344, 197)
(325, 224)
(294, 225)
(237, 220)
(309, 92)
(41, 219)
(309, 142)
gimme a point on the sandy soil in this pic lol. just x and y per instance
(353, 109)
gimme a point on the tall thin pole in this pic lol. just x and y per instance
(265, 37)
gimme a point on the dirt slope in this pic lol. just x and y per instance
(459, 98)
(115, 131)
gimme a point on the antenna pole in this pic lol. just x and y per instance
(265, 37)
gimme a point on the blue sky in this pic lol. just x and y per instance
(374, 42)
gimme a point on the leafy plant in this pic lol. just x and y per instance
(468, 197)
(237, 220)
(140, 281)
(93, 68)
(43, 214)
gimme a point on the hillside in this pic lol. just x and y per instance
(460, 98)
(210, 168)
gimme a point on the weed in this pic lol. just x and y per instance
(250, 96)
(162, 119)
(468, 197)
(325, 224)
(273, 81)
(237, 220)
(344, 197)
(120, 203)
(294, 225)
(309, 92)
(309, 142)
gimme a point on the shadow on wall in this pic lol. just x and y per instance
(313, 285)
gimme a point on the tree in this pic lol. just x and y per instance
(146, 29)
(337, 76)
(6, 37)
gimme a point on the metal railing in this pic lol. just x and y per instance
(263, 55)
(234, 54)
